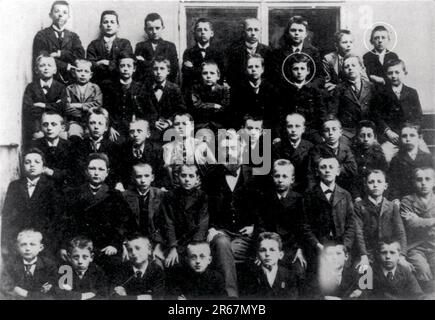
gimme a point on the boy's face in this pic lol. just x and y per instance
(51, 126)
(252, 31)
(83, 73)
(143, 177)
(109, 25)
(97, 171)
(300, 71)
(395, 74)
(139, 251)
(139, 132)
(283, 177)
(199, 257)
(80, 259)
(160, 71)
(269, 253)
(209, 75)
(182, 125)
(126, 68)
(298, 33)
(189, 177)
(295, 127)
(203, 33)
(254, 68)
(329, 170)
(380, 40)
(366, 137)
(33, 165)
(335, 256)
(29, 246)
(376, 184)
(332, 132)
(60, 15)
(46, 68)
(409, 138)
(424, 182)
(352, 68)
(254, 128)
(389, 255)
(154, 29)
(345, 45)
(97, 125)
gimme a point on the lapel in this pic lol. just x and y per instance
(132, 199)
(89, 92)
(365, 91)
(337, 196)
(154, 201)
(384, 218)
(23, 189)
(50, 33)
(320, 194)
(280, 281)
(350, 94)
(38, 90)
(334, 62)
(67, 37)
(404, 94)
(423, 210)
(40, 187)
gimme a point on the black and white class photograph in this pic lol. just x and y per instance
(242, 151)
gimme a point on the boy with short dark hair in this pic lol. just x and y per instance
(140, 277)
(146, 51)
(409, 158)
(58, 42)
(88, 280)
(105, 51)
(203, 50)
(376, 59)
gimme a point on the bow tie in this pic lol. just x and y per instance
(137, 153)
(31, 184)
(158, 87)
(95, 189)
(138, 274)
(328, 191)
(46, 87)
(231, 171)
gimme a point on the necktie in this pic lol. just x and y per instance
(137, 153)
(59, 37)
(231, 171)
(107, 47)
(27, 268)
(138, 274)
(328, 194)
(390, 276)
(31, 184)
(94, 190)
(45, 89)
(202, 52)
(297, 50)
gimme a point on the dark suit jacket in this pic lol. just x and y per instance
(229, 210)
(186, 217)
(96, 51)
(13, 275)
(201, 102)
(153, 155)
(152, 282)
(164, 49)
(392, 112)
(20, 212)
(60, 159)
(123, 104)
(298, 157)
(265, 104)
(192, 76)
(154, 206)
(171, 102)
(237, 58)
(374, 66)
(55, 100)
(374, 224)
(94, 280)
(208, 285)
(71, 49)
(332, 69)
(345, 158)
(254, 284)
(351, 108)
(284, 50)
(401, 172)
(104, 217)
(283, 217)
(323, 217)
(403, 286)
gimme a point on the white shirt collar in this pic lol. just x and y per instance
(143, 194)
(53, 143)
(282, 196)
(109, 39)
(31, 262)
(203, 46)
(48, 83)
(324, 187)
(397, 89)
(98, 140)
(413, 153)
(163, 84)
(58, 29)
(270, 274)
(34, 181)
(376, 203)
(296, 144)
(386, 271)
(299, 85)
(298, 47)
(141, 147)
(251, 46)
(255, 86)
(126, 82)
(142, 270)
